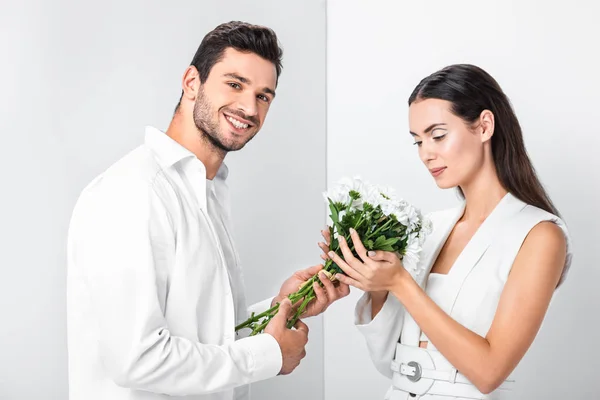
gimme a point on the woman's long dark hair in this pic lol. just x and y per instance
(471, 90)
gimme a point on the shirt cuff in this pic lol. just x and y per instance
(265, 354)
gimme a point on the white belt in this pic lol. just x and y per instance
(421, 371)
(414, 372)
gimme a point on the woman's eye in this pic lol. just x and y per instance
(439, 137)
(417, 144)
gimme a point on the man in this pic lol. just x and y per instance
(155, 288)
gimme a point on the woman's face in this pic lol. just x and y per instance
(451, 150)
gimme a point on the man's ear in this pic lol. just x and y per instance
(190, 83)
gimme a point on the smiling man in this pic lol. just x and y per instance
(154, 283)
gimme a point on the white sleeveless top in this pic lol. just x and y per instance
(469, 293)
(471, 290)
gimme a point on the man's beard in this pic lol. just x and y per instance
(209, 127)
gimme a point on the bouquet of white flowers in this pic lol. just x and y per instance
(382, 221)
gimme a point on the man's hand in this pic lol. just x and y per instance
(291, 342)
(325, 295)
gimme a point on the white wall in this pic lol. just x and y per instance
(545, 57)
(79, 81)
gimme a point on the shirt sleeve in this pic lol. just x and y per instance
(120, 228)
(382, 332)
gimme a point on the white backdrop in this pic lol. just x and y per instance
(544, 55)
(80, 80)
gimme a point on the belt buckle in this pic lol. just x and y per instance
(410, 366)
(418, 371)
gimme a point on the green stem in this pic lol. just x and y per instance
(306, 292)
(257, 317)
(360, 220)
(261, 327)
(384, 226)
(301, 309)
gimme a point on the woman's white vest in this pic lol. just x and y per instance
(469, 294)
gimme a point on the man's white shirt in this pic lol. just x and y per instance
(154, 285)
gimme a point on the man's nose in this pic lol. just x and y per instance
(247, 103)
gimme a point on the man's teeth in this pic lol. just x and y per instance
(236, 123)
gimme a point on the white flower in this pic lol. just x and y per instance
(353, 184)
(387, 192)
(337, 195)
(411, 256)
(372, 196)
(426, 229)
(402, 216)
(340, 192)
(389, 207)
(413, 215)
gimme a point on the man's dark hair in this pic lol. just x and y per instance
(240, 36)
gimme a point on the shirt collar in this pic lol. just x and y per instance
(170, 152)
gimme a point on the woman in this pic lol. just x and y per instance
(490, 267)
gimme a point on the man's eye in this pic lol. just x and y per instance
(234, 85)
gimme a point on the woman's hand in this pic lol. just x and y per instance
(375, 271)
(325, 245)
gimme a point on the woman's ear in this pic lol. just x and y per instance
(486, 125)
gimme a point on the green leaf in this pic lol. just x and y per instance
(385, 244)
(351, 219)
(334, 212)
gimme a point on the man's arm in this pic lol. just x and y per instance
(118, 235)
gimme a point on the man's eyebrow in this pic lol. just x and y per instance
(247, 81)
(238, 77)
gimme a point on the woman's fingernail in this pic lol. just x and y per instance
(331, 254)
(352, 230)
(342, 239)
(371, 253)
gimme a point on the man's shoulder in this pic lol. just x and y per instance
(138, 167)
(133, 175)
